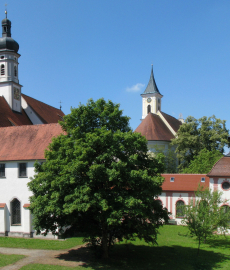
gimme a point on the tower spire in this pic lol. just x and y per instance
(152, 86)
(151, 98)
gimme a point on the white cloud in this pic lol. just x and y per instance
(135, 88)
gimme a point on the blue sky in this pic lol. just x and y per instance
(80, 49)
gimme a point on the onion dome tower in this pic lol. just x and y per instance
(151, 98)
(10, 88)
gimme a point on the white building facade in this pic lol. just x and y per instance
(22, 147)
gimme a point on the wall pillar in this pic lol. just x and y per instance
(3, 219)
(27, 228)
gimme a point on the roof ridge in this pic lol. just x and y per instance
(42, 102)
(23, 126)
(170, 115)
(183, 174)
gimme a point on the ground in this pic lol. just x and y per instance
(176, 251)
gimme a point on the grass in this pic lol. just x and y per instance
(40, 243)
(9, 259)
(175, 251)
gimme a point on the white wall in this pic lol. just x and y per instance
(13, 186)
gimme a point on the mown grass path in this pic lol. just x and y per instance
(38, 256)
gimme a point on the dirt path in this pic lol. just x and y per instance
(66, 257)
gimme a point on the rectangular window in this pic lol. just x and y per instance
(172, 179)
(2, 170)
(202, 179)
(22, 169)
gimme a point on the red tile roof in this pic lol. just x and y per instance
(9, 117)
(184, 182)
(173, 122)
(2, 205)
(46, 113)
(26, 142)
(221, 168)
(154, 129)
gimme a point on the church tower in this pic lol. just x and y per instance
(10, 88)
(151, 98)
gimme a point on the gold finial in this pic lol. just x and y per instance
(6, 10)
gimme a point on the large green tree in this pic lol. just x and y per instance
(98, 179)
(197, 134)
(203, 162)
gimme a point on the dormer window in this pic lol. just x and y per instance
(172, 179)
(2, 69)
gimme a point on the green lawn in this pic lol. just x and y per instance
(40, 243)
(9, 259)
(176, 251)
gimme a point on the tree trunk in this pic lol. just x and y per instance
(105, 253)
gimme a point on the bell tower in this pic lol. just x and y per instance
(151, 98)
(10, 88)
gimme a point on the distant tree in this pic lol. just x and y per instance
(203, 162)
(170, 159)
(98, 179)
(195, 135)
(204, 216)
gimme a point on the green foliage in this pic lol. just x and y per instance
(204, 216)
(98, 179)
(195, 135)
(170, 159)
(203, 162)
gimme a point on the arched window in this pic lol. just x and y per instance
(2, 69)
(149, 109)
(180, 209)
(15, 212)
(15, 71)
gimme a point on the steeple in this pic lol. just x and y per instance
(9, 80)
(151, 98)
(152, 86)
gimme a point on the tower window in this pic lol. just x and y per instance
(159, 104)
(2, 69)
(149, 109)
(2, 57)
(15, 71)
(15, 212)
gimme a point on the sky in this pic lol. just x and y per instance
(74, 50)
